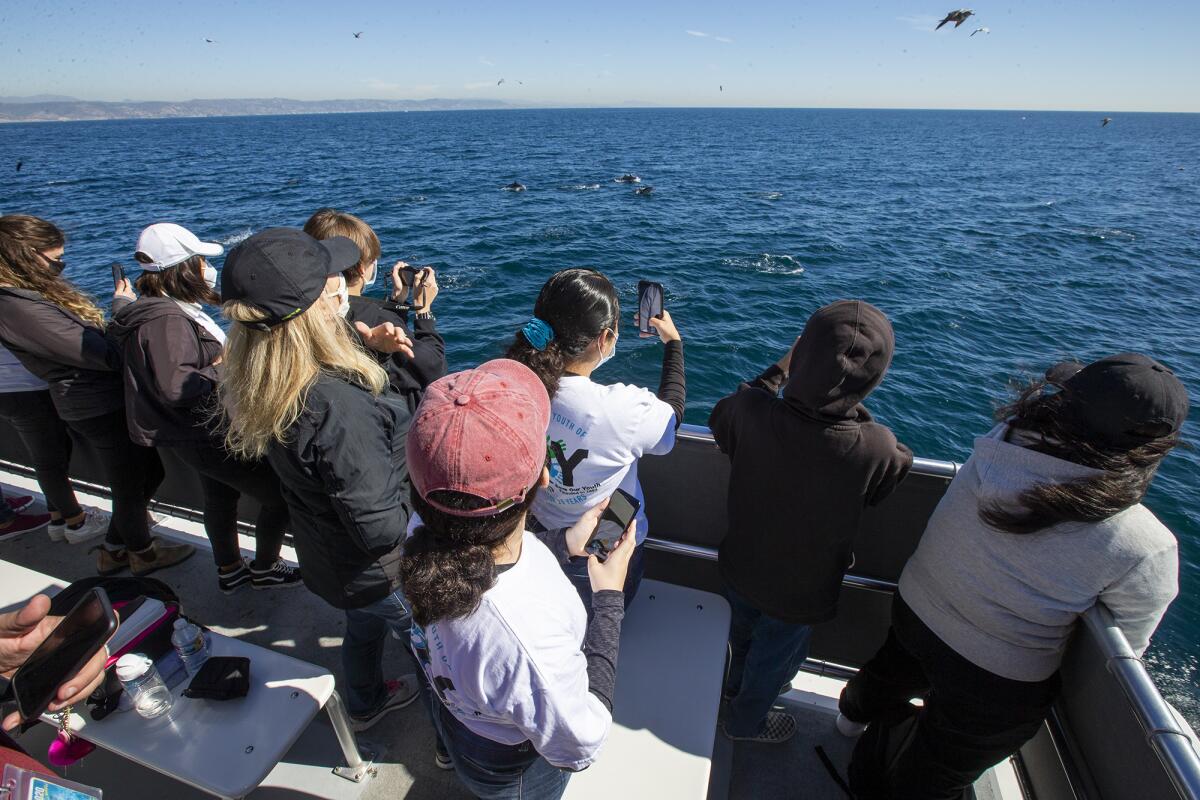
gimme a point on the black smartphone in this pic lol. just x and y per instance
(622, 508)
(650, 305)
(410, 274)
(71, 644)
(118, 275)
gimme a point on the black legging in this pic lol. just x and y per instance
(224, 479)
(133, 474)
(45, 436)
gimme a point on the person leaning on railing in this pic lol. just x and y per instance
(57, 333)
(1042, 522)
(171, 365)
(297, 389)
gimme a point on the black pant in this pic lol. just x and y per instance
(224, 479)
(972, 719)
(133, 473)
(45, 436)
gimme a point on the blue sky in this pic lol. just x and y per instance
(1106, 56)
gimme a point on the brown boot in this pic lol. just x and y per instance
(110, 562)
(159, 554)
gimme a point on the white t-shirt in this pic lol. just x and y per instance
(597, 434)
(514, 670)
(14, 377)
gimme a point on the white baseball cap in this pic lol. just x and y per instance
(166, 244)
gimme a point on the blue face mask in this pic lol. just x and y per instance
(605, 358)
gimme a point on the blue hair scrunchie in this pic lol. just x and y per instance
(538, 333)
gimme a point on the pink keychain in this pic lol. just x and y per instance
(67, 748)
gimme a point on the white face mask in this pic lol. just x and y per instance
(343, 297)
(210, 276)
(374, 273)
(605, 358)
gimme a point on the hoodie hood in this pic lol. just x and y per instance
(131, 317)
(842, 355)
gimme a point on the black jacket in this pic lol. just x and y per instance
(81, 366)
(804, 466)
(407, 376)
(168, 373)
(343, 474)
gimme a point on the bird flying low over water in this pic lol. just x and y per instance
(359, 34)
(957, 17)
(1105, 121)
(979, 30)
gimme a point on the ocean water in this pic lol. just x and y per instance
(997, 242)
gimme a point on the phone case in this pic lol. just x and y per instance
(21, 784)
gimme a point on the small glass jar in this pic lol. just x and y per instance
(151, 697)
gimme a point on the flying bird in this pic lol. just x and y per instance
(1103, 122)
(957, 17)
(500, 81)
(359, 34)
(979, 30)
(210, 41)
(722, 88)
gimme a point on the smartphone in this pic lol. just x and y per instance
(75, 639)
(650, 305)
(622, 508)
(415, 287)
(118, 273)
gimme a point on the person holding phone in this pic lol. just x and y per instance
(171, 367)
(57, 333)
(520, 680)
(298, 390)
(424, 361)
(597, 432)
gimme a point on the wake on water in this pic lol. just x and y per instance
(768, 263)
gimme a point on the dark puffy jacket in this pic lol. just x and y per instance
(343, 473)
(804, 466)
(168, 372)
(407, 376)
(81, 366)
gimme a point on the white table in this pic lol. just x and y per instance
(669, 674)
(224, 748)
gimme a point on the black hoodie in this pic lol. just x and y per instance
(805, 465)
(168, 373)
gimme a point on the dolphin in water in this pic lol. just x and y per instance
(629, 177)
(643, 191)
(515, 186)
(1105, 121)
(19, 165)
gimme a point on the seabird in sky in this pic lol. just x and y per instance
(957, 17)
(359, 34)
(979, 30)
(500, 81)
(722, 88)
(1105, 121)
(210, 41)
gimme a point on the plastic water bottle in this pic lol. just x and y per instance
(151, 697)
(191, 645)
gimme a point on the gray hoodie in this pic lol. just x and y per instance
(1008, 602)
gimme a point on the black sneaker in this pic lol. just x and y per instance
(400, 693)
(230, 582)
(777, 727)
(277, 576)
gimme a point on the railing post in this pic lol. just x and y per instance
(357, 768)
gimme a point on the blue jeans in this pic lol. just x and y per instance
(577, 571)
(765, 653)
(491, 770)
(362, 650)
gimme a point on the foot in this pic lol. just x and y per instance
(158, 555)
(848, 727)
(229, 582)
(19, 504)
(778, 726)
(729, 694)
(400, 693)
(24, 523)
(95, 523)
(110, 561)
(277, 576)
(441, 759)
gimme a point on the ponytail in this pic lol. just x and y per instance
(447, 563)
(577, 305)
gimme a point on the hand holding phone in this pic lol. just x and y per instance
(121, 285)
(650, 306)
(612, 571)
(616, 517)
(58, 661)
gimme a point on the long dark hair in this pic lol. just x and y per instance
(1125, 474)
(447, 563)
(577, 304)
(23, 241)
(183, 281)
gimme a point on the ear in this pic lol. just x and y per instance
(544, 480)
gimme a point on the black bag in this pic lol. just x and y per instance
(878, 750)
(221, 678)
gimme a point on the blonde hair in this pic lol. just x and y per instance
(329, 222)
(22, 239)
(267, 374)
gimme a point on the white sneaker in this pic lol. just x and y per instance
(95, 523)
(848, 727)
(55, 532)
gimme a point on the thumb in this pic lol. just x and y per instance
(28, 617)
(362, 328)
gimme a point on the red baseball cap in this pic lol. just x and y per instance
(480, 432)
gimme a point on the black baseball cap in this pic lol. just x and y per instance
(282, 271)
(1125, 400)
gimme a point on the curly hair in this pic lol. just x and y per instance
(23, 242)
